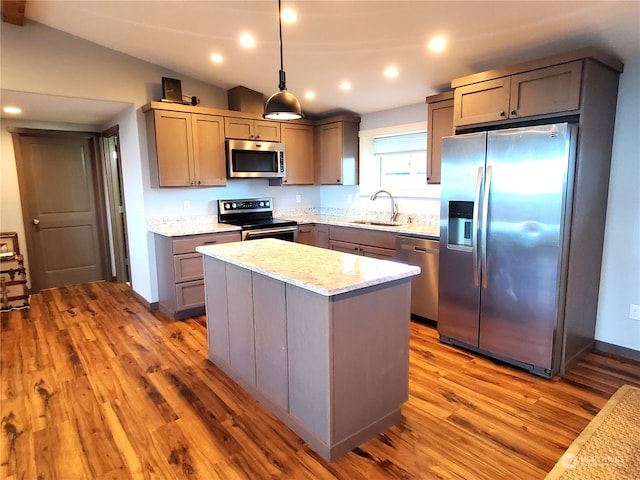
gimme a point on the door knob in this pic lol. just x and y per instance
(36, 221)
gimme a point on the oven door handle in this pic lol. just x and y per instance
(263, 232)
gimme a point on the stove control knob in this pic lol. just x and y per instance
(266, 204)
(234, 205)
(261, 204)
(227, 206)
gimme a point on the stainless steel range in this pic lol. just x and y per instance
(255, 216)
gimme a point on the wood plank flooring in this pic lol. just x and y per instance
(94, 386)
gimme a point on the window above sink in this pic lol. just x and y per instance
(395, 158)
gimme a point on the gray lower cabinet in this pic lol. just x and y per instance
(314, 234)
(334, 369)
(180, 272)
(357, 241)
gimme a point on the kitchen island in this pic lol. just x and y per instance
(319, 337)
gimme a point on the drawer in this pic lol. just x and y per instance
(188, 266)
(190, 295)
(189, 243)
(363, 236)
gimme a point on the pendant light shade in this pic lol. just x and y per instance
(282, 105)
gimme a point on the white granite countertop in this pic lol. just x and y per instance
(319, 270)
(190, 226)
(180, 226)
(417, 229)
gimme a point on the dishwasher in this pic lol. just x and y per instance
(423, 253)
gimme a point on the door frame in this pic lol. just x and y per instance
(118, 219)
(99, 192)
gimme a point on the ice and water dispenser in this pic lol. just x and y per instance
(460, 223)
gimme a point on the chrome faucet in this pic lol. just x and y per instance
(394, 205)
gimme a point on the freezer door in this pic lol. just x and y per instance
(526, 185)
(463, 160)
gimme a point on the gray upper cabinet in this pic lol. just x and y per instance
(439, 124)
(337, 147)
(541, 92)
(546, 91)
(250, 129)
(185, 149)
(298, 140)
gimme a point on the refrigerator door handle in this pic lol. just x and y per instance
(474, 232)
(485, 216)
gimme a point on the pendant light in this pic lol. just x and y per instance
(282, 105)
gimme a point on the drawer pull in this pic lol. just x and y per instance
(211, 242)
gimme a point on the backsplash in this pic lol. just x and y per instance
(195, 221)
(358, 214)
(191, 221)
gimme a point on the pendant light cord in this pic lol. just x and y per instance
(282, 85)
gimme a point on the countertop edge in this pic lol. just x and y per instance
(204, 230)
(410, 229)
(407, 271)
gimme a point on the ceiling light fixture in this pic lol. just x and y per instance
(437, 44)
(216, 58)
(309, 95)
(12, 110)
(391, 72)
(289, 15)
(345, 86)
(247, 40)
(282, 105)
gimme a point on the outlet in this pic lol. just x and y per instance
(298, 198)
(186, 205)
(634, 311)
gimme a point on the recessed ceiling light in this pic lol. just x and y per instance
(345, 86)
(437, 44)
(391, 72)
(216, 58)
(247, 40)
(309, 95)
(12, 110)
(289, 15)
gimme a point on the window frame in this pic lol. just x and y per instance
(368, 160)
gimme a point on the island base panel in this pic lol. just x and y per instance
(327, 451)
(345, 358)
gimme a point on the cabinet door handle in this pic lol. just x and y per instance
(514, 112)
(502, 114)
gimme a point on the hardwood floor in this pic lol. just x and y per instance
(94, 386)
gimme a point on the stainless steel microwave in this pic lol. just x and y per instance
(254, 159)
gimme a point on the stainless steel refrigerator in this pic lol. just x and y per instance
(506, 215)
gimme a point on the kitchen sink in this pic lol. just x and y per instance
(376, 222)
